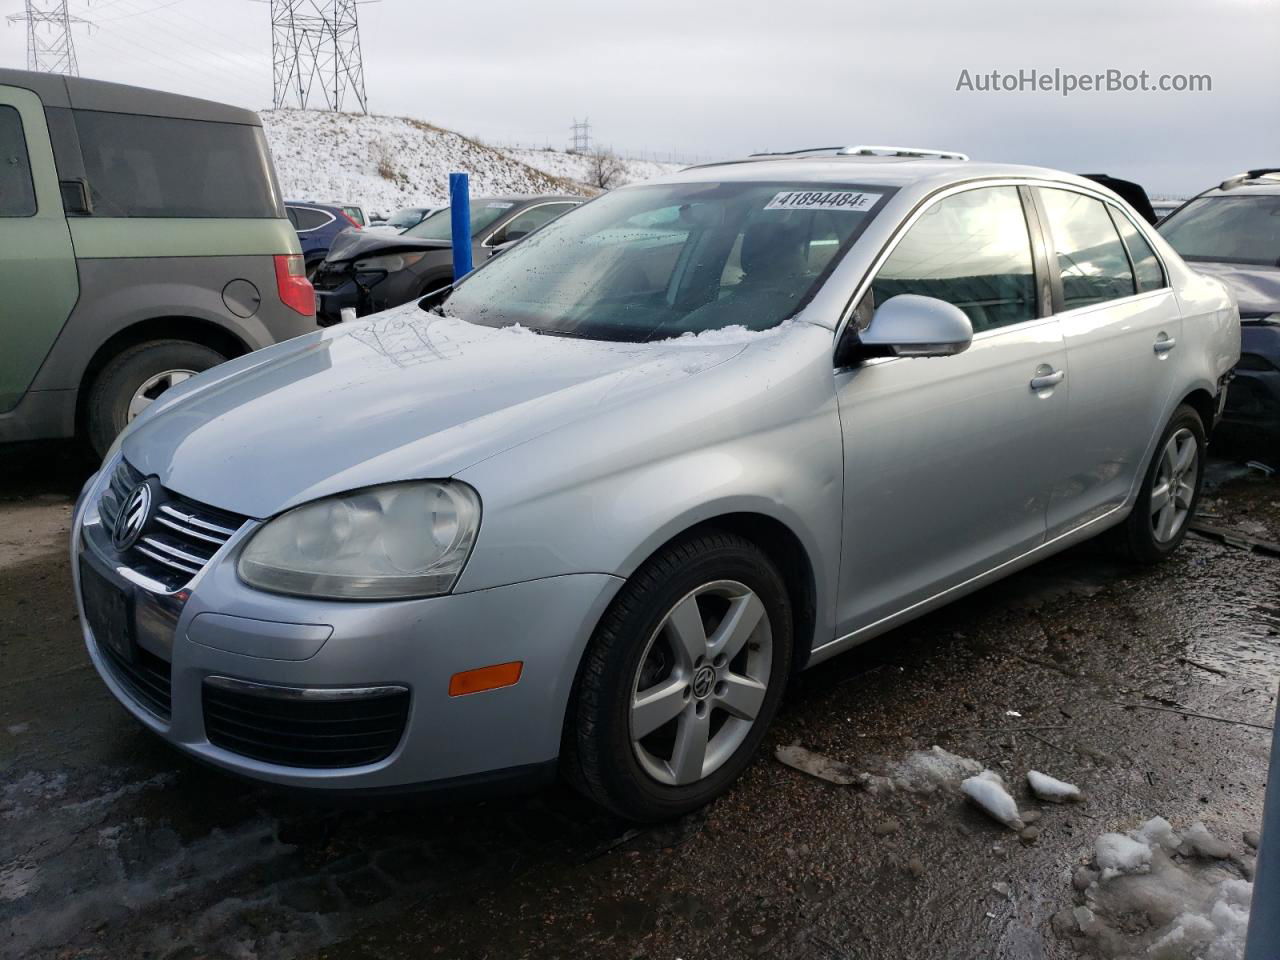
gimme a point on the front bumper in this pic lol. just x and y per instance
(416, 645)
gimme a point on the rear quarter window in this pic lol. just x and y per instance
(141, 166)
(17, 192)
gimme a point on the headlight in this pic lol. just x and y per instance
(390, 262)
(381, 543)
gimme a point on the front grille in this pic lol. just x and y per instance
(180, 537)
(146, 679)
(287, 727)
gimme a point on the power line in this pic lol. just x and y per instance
(49, 43)
(316, 44)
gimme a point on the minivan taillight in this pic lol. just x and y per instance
(294, 288)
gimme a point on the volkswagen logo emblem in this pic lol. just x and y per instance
(132, 518)
(703, 682)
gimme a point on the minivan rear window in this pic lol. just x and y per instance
(142, 166)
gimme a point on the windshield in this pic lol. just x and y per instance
(652, 262)
(1231, 229)
(405, 218)
(438, 226)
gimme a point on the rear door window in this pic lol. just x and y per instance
(971, 249)
(1091, 257)
(1146, 265)
(140, 166)
(17, 191)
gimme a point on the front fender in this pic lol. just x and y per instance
(757, 435)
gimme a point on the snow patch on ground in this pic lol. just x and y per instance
(986, 791)
(925, 771)
(1156, 893)
(1052, 789)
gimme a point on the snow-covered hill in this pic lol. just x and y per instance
(577, 166)
(384, 163)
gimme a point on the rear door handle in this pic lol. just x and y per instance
(1048, 380)
(1164, 344)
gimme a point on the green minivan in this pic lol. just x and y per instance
(142, 240)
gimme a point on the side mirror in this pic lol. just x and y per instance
(910, 325)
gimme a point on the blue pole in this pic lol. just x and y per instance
(460, 223)
(1264, 918)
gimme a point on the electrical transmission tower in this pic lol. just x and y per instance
(49, 45)
(315, 52)
(581, 130)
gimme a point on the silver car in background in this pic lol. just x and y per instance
(594, 508)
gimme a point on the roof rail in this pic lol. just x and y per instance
(870, 151)
(1256, 174)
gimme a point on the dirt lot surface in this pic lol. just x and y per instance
(113, 845)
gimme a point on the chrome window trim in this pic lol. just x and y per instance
(941, 194)
(522, 211)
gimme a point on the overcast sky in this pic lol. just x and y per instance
(711, 78)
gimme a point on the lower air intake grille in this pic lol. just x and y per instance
(146, 679)
(304, 728)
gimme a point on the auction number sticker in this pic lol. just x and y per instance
(852, 200)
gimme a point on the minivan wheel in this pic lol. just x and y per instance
(133, 379)
(681, 680)
(1170, 491)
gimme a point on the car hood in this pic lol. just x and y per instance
(402, 395)
(1256, 288)
(362, 243)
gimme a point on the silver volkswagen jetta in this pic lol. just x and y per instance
(594, 507)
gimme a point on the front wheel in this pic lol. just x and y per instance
(681, 680)
(1170, 491)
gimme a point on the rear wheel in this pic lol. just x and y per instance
(135, 378)
(681, 680)
(1170, 491)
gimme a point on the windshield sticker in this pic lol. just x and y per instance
(498, 205)
(852, 200)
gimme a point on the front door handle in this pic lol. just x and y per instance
(1047, 380)
(1164, 343)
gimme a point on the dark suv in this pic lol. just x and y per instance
(142, 240)
(376, 270)
(1232, 232)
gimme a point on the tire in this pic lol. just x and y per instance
(1139, 538)
(114, 388)
(635, 649)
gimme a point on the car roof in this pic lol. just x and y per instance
(55, 90)
(527, 198)
(888, 171)
(1247, 185)
(326, 205)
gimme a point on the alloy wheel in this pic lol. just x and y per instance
(701, 682)
(1174, 486)
(152, 387)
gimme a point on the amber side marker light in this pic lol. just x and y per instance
(485, 678)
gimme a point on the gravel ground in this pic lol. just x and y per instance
(112, 845)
